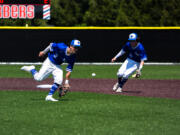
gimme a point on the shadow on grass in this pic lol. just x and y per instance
(37, 99)
(135, 92)
(65, 99)
(60, 99)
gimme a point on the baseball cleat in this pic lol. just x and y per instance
(50, 98)
(27, 68)
(115, 87)
(119, 89)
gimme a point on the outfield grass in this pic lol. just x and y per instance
(149, 72)
(26, 113)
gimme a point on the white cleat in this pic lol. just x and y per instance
(50, 98)
(115, 87)
(119, 89)
(27, 68)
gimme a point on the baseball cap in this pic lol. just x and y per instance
(75, 43)
(133, 36)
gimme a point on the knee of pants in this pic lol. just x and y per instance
(38, 78)
(58, 81)
(120, 74)
(123, 76)
(126, 76)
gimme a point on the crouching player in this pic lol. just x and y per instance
(135, 60)
(58, 53)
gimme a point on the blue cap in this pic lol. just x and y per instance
(133, 36)
(75, 43)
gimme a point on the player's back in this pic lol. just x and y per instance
(57, 53)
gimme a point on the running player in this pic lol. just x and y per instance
(58, 54)
(134, 62)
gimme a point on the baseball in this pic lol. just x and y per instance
(93, 74)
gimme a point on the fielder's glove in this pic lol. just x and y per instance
(63, 90)
(138, 73)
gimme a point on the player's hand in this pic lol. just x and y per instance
(41, 54)
(66, 86)
(113, 59)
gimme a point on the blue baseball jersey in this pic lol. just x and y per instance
(137, 54)
(58, 55)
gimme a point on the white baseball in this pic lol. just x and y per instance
(93, 74)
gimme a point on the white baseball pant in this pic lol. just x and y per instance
(49, 68)
(127, 68)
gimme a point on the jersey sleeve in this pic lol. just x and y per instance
(53, 47)
(47, 48)
(143, 55)
(70, 65)
(120, 53)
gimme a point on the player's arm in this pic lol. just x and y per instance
(143, 58)
(138, 71)
(141, 65)
(122, 51)
(118, 55)
(68, 74)
(42, 53)
(67, 77)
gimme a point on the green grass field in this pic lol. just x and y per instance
(149, 72)
(79, 113)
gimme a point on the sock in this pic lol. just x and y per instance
(33, 72)
(53, 88)
(122, 82)
(119, 80)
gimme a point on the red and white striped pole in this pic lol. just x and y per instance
(46, 12)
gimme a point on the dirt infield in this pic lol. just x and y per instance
(145, 88)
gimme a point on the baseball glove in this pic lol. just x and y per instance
(63, 90)
(138, 73)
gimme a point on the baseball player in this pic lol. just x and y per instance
(136, 56)
(58, 53)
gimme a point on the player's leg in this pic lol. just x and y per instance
(122, 69)
(43, 73)
(131, 67)
(58, 79)
(45, 70)
(120, 74)
(28, 68)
